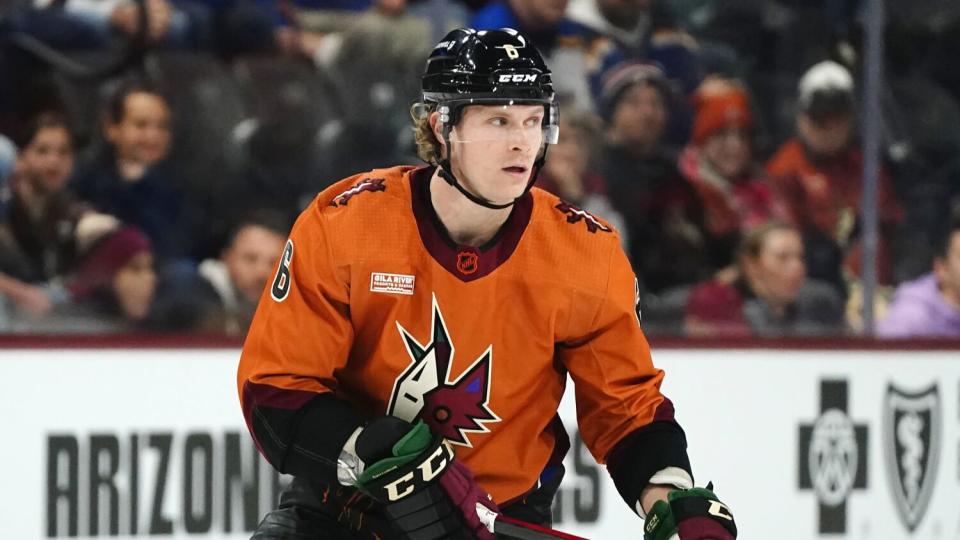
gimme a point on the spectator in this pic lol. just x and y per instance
(570, 173)
(379, 51)
(640, 29)
(770, 295)
(43, 214)
(662, 212)
(18, 298)
(111, 291)
(96, 24)
(320, 29)
(39, 231)
(178, 24)
(930, 305)
(627, 22)
(819, 175)
(234, 283)
(131, 177)
(543, 21)
(718, 162)
(8, 156)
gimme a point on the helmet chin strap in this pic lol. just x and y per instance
(447, 174)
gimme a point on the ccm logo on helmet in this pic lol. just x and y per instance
(519, 78)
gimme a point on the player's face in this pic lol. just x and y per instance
(494, 147)
(48, 159)
(251, 259)
(778, 271)
(143, 134)
(134, 286)
(947, 269)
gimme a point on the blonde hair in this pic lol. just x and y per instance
(753, 241)
(429, 148)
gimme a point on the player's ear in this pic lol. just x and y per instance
(436, 127)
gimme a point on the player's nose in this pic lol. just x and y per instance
(520, 141)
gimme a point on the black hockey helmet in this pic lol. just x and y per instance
(488, 67)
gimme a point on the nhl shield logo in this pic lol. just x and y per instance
(912, 445)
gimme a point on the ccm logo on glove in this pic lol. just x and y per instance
(422, 474)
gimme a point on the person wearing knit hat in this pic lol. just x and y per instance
(616, 76)
(111, 290)
(719, 163)
(612, 84)
(725, 107)
(634, 103)
(664, 219)
(118, 270)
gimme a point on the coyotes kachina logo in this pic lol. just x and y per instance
(911, 425)
(424, 390)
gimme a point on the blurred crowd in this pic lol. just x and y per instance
(154, 153)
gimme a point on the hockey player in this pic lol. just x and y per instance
(407, 361)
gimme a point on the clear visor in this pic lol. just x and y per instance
(489, 120)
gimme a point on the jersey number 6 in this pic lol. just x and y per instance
(281, 282)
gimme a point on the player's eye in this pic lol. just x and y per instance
(533, 121)
(498, 121)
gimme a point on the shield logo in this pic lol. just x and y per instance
(912, 423)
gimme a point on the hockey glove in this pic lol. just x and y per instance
(426, 492)
(691, 514)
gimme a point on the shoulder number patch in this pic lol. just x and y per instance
(281, 282)
(369, 184)
(575, 214)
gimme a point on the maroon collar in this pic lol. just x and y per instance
(467, 263)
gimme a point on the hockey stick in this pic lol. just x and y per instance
(528, 531)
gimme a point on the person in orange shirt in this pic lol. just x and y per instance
(819, 174)
(407, 361)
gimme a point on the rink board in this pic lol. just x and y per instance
(801, 444)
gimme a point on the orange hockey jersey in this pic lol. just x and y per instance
(372, 301)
